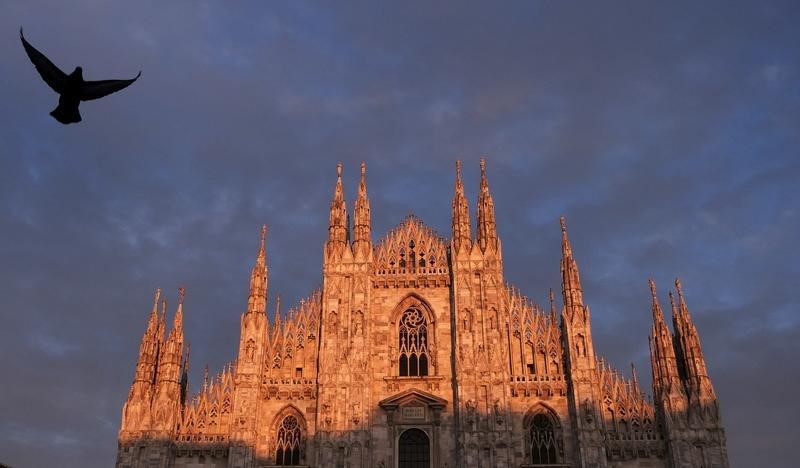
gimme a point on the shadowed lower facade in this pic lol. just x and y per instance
(416, 353)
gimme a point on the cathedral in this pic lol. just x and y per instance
(416, 353)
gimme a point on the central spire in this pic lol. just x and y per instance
(257, 300)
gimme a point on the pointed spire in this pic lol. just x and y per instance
(684, 310)
(205, 378)
(462, 238)
(673, 307)
(148, 352)
(570, 278)
(487, 228)
(186, 359)
(177, 323)
(337, 229)
(666, 379)
(688, 349)
(162, 321)
(658, 314)
(362, 233)
(553, 318)
(276, 330)
(636, 388)
(152, 324)
(259, 277)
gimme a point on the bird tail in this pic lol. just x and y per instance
(66, 113)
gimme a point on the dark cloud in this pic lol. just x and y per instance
(666, 132)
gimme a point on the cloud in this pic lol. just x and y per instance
(666, 133)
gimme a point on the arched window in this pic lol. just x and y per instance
(542, 441)
(289, 442)
(414, 356)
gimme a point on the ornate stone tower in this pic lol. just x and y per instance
(153, 410)
(252, 346)
(685, 401)
(581, 363)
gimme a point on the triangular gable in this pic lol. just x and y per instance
(409, 397)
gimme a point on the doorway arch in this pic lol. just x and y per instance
(414, 449)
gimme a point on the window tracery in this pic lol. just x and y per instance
(414, 354)
(289, 442)
(543, 441)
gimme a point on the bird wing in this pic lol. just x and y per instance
(51, 74)
(97, 89)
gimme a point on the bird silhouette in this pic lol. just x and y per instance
(72, 88)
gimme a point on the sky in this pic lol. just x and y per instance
(668, 134)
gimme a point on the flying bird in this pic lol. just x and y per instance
(72, 89)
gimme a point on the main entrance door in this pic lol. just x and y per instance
(415, 449)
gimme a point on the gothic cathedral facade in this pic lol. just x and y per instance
(416, 353)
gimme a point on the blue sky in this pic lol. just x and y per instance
(668, 133)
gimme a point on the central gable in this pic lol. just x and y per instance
(412, 248)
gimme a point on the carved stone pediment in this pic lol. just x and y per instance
(413, 407)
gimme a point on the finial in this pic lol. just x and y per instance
(552, 303)
(563, 221)
(458, 169)
(181, 294)
(205, 378)
(653, 289)
(339, 169)
(483, 166)
(157, 296)
(678, 287)
(278, 306)
(263, 233)
(363, 169)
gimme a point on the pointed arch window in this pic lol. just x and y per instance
(414, 353)
(289, 442)
(543, 440)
